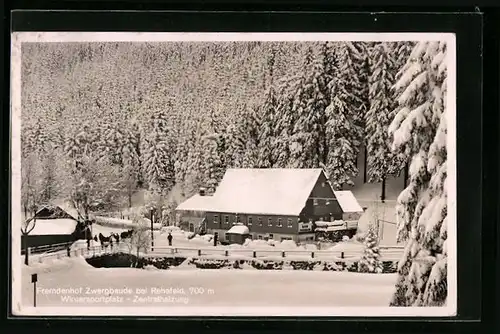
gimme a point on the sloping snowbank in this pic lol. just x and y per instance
(279, 288)
(350, 246)
(50, 265)
(123, 223)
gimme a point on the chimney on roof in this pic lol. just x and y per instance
(202, 192)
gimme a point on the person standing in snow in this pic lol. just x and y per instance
(169, 239)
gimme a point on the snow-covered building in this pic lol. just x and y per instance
(52, 225)
(238, 234)
(367, 192)
(274, 203)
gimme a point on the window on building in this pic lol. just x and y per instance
(249, 221)
(226, 236)
(332, 218)
(238, 219)
(216, 219)
(315, 201)
(323, 184)
(290, 223)
(271, 236)
(280, 223)
(226, 219)
(260, 237)
(260, 221)
(269, 222)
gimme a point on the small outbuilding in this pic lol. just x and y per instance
(238, 234)
(53, 225)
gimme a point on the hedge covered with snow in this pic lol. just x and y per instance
(130, 260)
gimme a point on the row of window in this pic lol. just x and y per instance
(317, 201)
(249, 222)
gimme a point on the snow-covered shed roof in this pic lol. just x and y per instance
(197, 203)
(52, 212)
(239, 229)
(347, 201)
(274, 191)
(58, 226)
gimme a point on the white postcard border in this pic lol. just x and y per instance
(53, 37)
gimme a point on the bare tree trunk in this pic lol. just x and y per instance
(26, 255)
(382, 197)
(405, 176)
(365, 163)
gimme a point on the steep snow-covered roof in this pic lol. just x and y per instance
(197, 203)
(274, 191)
(239, 229)
(347, 201)
(52, 212)
(61, 226)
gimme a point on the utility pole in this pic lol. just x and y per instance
(152, 234)
(34, 279)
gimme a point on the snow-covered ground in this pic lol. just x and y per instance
(124, 223)
(106, 230)
(196, 287)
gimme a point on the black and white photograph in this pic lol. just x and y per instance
(233, 174)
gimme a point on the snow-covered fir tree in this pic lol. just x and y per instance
(236, 139)
(370, 260)
(363, 70)
(267, 133)
(80, 146)
(340, 164)
(212, 168)
(252, 126)
(381, 162)
(243, 140)
(285, 118)
(419, 132)
(350, 88)
(157, 154)
(130, 158)
(307, 141)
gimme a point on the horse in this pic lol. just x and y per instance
(116, 236)
(126, 234)
(105, 241)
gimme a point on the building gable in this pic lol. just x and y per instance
(52, 212)
(321, 203)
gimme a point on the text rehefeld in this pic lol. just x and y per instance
(166, 291)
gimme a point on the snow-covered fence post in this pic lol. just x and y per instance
(312, 255)
(343, 261)
(283, 254)
(254, 254)
(226, 253)
(199, 252)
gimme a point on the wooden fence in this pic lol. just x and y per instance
(389, 253)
